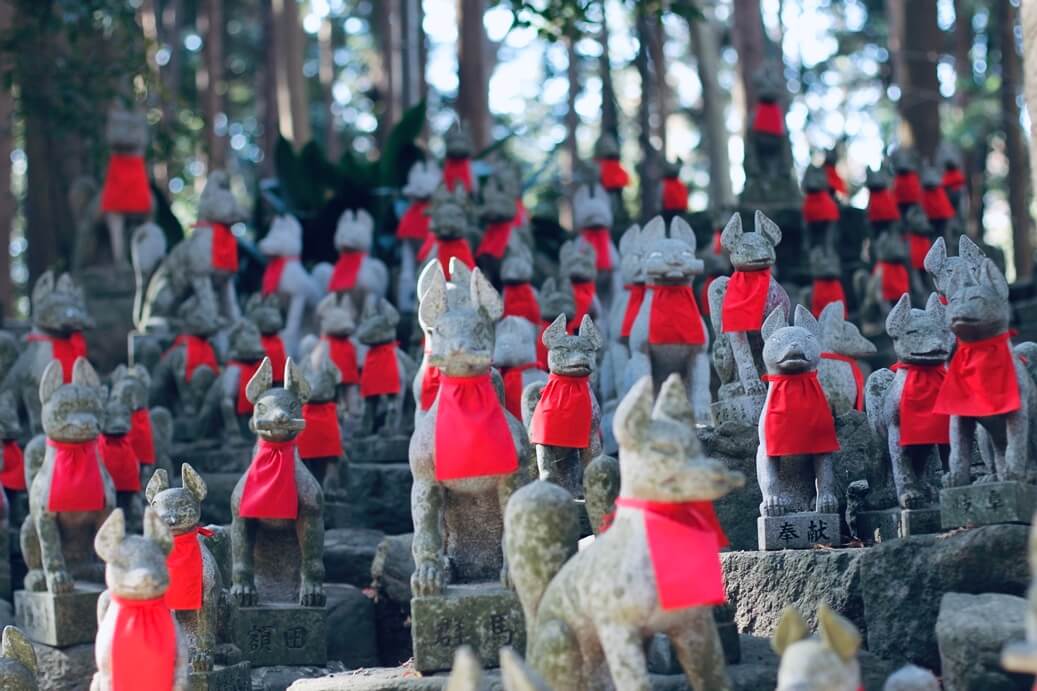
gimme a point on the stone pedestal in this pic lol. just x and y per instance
(59, 620)
(281, 634)
(889, 524)
(798, 530)
(231, 678)
(986, 504)
(485, 616)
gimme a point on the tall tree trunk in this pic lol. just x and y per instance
(750, 43)
(1029, 22)
(916, 59)
(707, 58)
(7, 203)
(572, 118)
(210, 81)
(326, 40)
(389, 69)
(662, 93)
(609, 109)
(649, 172)
(172, 17)
(267, 87)
(412, 53)
(473, 71)
(292, 104)
(964, 37)
(1018, 165)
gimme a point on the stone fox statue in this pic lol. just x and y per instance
(811, 664)
(588, 616)
(18, 665)
(467, 454)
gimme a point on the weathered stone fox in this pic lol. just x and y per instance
(187, 370)
(151, 429)
(809, 664)
(226, 411)
(18, 665)
(839, 371)
(589, 614)
(357, 273)
(384, 394)
(943, 269)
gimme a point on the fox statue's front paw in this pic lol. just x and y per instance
(956, 479)
(428, 579)
(827, 503)
(912, 499)
(774, 506)
(200, 661)
(311, 594)
(60, 582)
(244, 594)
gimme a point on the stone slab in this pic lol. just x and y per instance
(233, 678)
(211, 456)
(378, 449)
(281, 634)
(64, 669)
(379, 495)
(798, 531)
(484, 616)
(59, 620)
(971, 630)
(920, 522)
(889, 524)
(987, 503)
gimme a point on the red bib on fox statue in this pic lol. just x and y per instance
(472, 435)
(347, 268)
(126, 189)
(448, 249)
(882, 206)
(343, 353)
(919, 424)
(895, 281)
(458, 171)
(380, 375)
(429, 387)
(142, 437)
(64, 350)
(414, 223)
(819, 207)
(918, 246)
(563, 414)
(513, 387)
(769, 119)
(953, 179)
(980, 379)
(198, 352)
(142, 637)
(120, 461)
(613, 175)
(246, 370)
(824, 292)
(598, 237)
(13, 475)
(224, 248)
(273, 346)
(322, 436)
(270, 490)
(907, 188)
(521, 301)
(272, 274)
(835, 181)
(184, 564)
(674, 316)
(584, 293)
(495, 239)
(635, 296)
(76, 483)
(745, 300)
(798, 420)
(937, 204)
(675, 195)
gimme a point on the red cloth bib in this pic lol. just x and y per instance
(953, 179)
(143, 644)
(835, 181)
(521, 301)
(447, 249)
(322, 436)
(583, 296)
(270, 490)
(824, 292)
(199, 352)
(907, 188)
(675, 195)
(895, 281)
(798, 419)
(273, 346)
(541, 348)
(141, 436)
(613, 175)
(563, 414)
(76, 483)
(429, 386)
(120, 461)
(13, 475)
(918, 246)
(745, 300)
(601, 241)
(718, 246)
(635, 296)
(674, 316)
(347, 268)
(457, 171)
(882, 206)
(980, 379)
(495, 239)
(513, 387)
(936, 204)
(769, 119)
(246, 370)
(185, 570)
(704, 294)
(426, 247)
(380, 375)
(414, 223)
(858, 376)
(472, 435)
(919, 424)
(126, 189)
(343, 353)
(64, 350)
(272, 274)
(224, 248)
(819, 207)
(684, 541)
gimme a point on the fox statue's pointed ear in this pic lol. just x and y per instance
(467, 673)
(295, 382)
(156, 530)
(50, 380)
(634, 414)
(838, 633)
(110, 535)
(159, 482)
(193, 482)
(732, 232)
(899, 316)
(16, 646)
(554, 333)
(791, 629)
(774, 321)
(936, 256)
(261, 381)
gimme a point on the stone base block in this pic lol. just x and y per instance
(281, 634)
(920, 522)
(987, 504)
(59, 620)
(484, 616)
(889, 524)
(378, 449)
(798, 530)
(233, 678)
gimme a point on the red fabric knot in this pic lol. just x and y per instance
(907, 188)
(684, 541)
(613, 175)
(635, 296)
(126, 189)
(894, 278)
(513, 387)
(882, 206)
(429, 386)
(495, 239)
(600, 239)
(322, 436)
(76, 483)
(824, 292)
(918, 246)
(273, 346)
(858, 376)
(563, 414)
(919, 423)
(13, 475)
(141, 436)
(769, 119)
(981, 379)
(584, 293)
(472, 436)
(448, 249)
(65, 350)
(275, 267)
(744, 301)
(142, 640)
(835, 181)
(270, 489)
(120, 461)
(184, 564)
(198, 352)
(347, 268)
(414, 224)
(380, 375)
(458, 171)
(521, 301)
(936, 204)
(819, 207)
(674, 317)
(224, 248)
(343, 353)
(797, 417)
(675, 195)
(953, 179)
(246, 370)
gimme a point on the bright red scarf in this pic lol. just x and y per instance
(797, 418)
(601, 241)
(583, 296)
(953, 179)
(414, 223)
(448, 249)
(198, 352)
(141, 436)
(343, 353)
(718, 245)
(858, 376)
(613, 175)
(895, 281)
(224, 248)
(684, 541)
(704, 294)
(184, 564)
(835, 181)
(272, 274)
(882, 206)
(495, 239)
(270, 490)
(541, 348)
(513, 387)
(745, 300)
(936, 204)
(918, 246)
(347, 268)
(769, 119)
(380, 375)
(121, 461)
(76, 483)
(472, 435)
(246, 370)
(126, 189)
(13, 475)
(457, 171)
(426, 246)
(143, 644)
(675, 195)
(429, 386)
(635, 296)
(563, 414)
(273, 346)
(819, 207)
(64, 350)
(322, 436)
(824, 292)
(521, 301)
(907, 188)
(981, 379)
(919, 424)
(674, 317)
